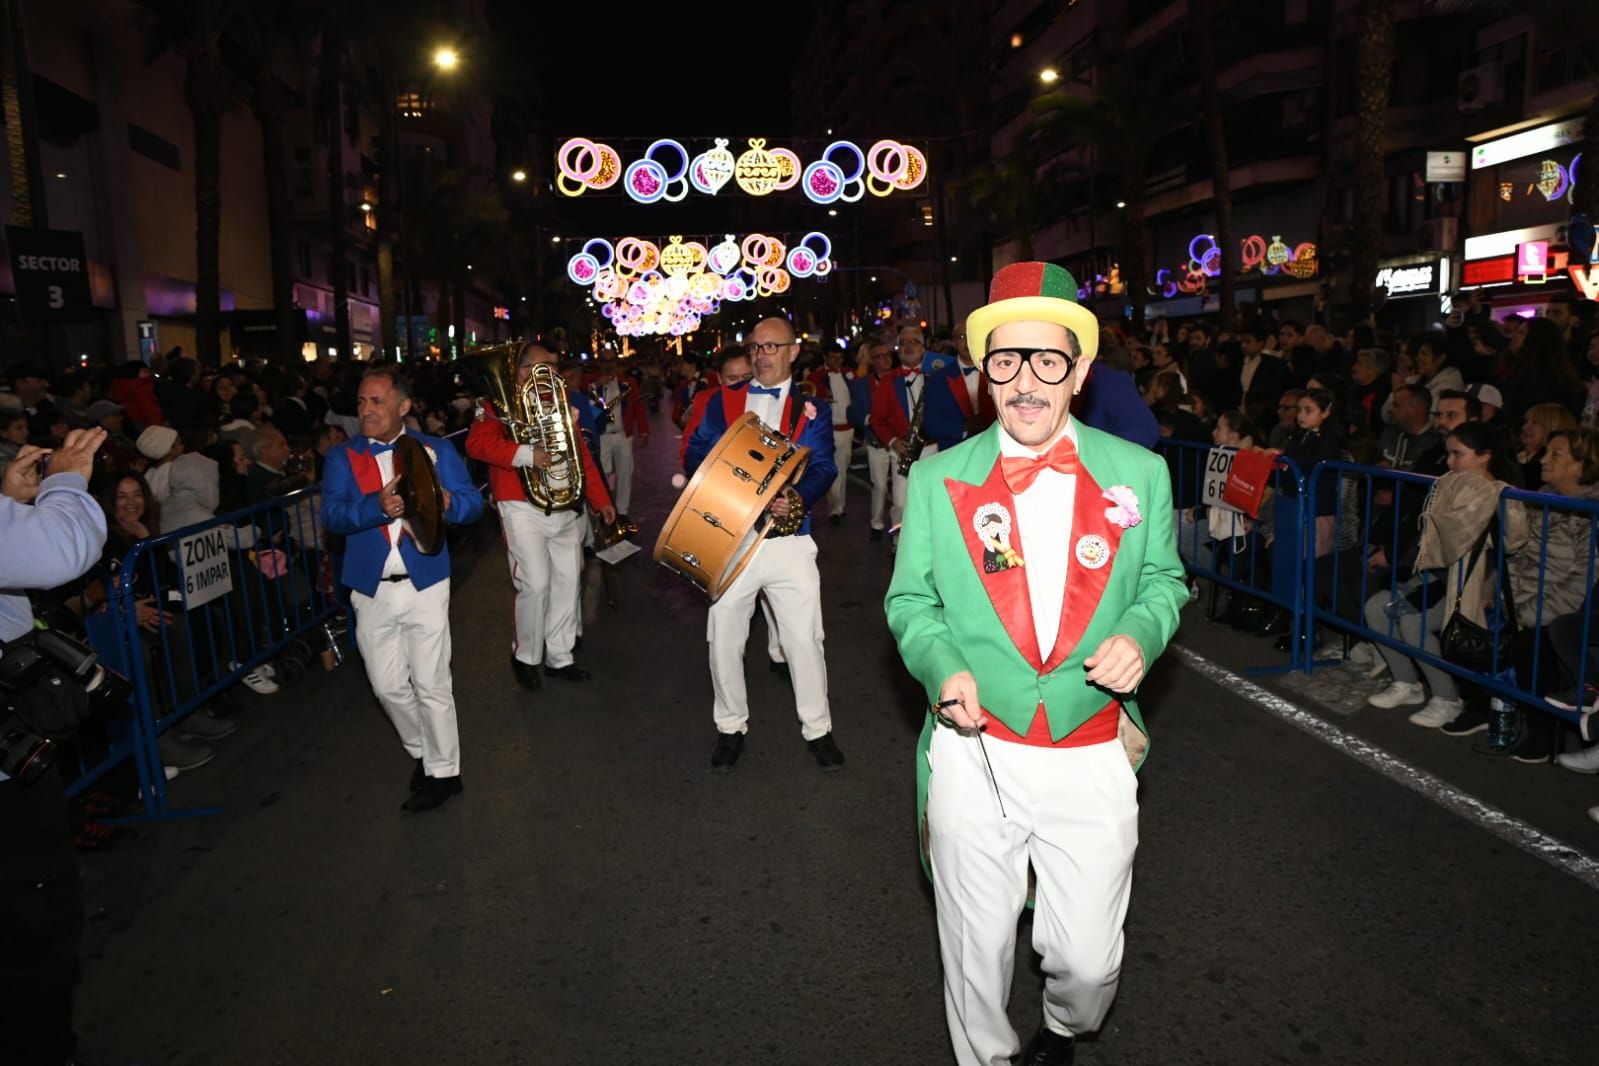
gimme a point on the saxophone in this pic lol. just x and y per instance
(914, 440)
(536, 412)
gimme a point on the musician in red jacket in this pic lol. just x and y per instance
(894, 408)
(545, 550)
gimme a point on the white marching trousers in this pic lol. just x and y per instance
(1072, 813)
(546, 557)
(404, 637)
(774, 645)
(901, 481)
(784, 570)
(616, 459)
(879, 463)
(843, 441)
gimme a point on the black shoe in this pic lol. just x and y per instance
(569, 672)
(577, 644)
(418, 778)
(835, 519)
(828, 757)
(433, 793)
(780, 668)
(1473, 719)
(728, 748)
(1048, 1048)
(527, 675)
(623, 520)
(876, 534)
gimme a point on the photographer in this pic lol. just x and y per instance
(53, 541)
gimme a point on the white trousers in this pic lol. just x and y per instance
(774, 645)
(616, 459)
(404, 637)
(546, 557)
(843, 441)
(902, 481)
(1073, 814)
(784, 573)
(879, 463)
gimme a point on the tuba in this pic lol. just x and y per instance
(536, 412)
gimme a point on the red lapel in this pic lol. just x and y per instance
(1084, 586)
(1007, 589)
(368, 478)
(733, 401)
(957, 385)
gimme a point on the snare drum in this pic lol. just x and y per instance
(720, 520)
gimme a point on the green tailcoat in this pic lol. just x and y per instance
(955, 605)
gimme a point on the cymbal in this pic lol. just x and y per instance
(420, 491)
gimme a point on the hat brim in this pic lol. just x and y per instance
(1075, 317)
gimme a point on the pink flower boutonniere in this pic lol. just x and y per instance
(810, 410)
(1123, 510)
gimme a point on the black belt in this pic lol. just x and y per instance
(396, 577)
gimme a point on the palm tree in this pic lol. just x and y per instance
(1125, 99)
(268, 38)
(194, 31)
(1374, 66)
(1201, 15)
(461, 234)
(331, 118)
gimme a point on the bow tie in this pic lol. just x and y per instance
(968, 370)
(1020, 473)
(378, 447)
(759, 390)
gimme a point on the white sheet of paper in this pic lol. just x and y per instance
(617, 552)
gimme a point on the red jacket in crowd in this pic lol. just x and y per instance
(490, 442)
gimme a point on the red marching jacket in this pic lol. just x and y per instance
(490, 442)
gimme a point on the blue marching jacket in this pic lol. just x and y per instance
(810, 426)
(351, 485)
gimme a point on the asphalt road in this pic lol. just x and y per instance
(598, 896)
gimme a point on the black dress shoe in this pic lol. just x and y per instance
(1048, 1048)
(577, 644)
(527, 675)
(828, 757)
(876, 534)
(835, 519)
(780, 668)
(728, 748)
(569, 672)
(418, 778)
(433, 793)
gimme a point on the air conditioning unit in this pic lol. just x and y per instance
(1481, 87)
(1438, 235)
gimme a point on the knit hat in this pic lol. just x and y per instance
(155, 442)
(100, 408)
(1032, 292)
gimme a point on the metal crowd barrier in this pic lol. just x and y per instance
(1239, 558)
(1339, 589)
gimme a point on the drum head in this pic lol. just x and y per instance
(422, 494)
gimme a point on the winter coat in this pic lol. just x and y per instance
(137, 395)
(1458, 509)
(1565, 574)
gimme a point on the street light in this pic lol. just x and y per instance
(1049, 76)
(366, 207)
(446, 58)
(832, 212)
(1121, 204)
(519, 175)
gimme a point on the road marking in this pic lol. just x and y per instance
(1528, 838)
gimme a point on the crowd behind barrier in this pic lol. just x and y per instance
(1411, 552)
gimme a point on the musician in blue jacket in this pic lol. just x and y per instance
(784, 567)
(401, 596)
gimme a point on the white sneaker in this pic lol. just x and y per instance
(1438, 712)
(1365, 654)
(1333, 649)
(1399, 694)
(259, 683)
(1585, 761)
(266, 671)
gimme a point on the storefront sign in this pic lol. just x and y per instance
(1532, 262)
(1446, 166)
(1499, 270)
(1415, 280)
(1586, 278)
(1528, 142)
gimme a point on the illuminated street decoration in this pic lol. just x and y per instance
(644, 288)
(1255, 254)
(668, 170)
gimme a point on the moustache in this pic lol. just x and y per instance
(1027, 399)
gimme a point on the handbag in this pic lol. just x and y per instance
(1247, 480)
(1476, 647)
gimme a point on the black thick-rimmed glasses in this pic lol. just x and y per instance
(768, 347)
(1051, 366)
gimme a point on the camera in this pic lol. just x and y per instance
(49, 684)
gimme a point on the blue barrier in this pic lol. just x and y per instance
(1197, 472)
(1522, 525)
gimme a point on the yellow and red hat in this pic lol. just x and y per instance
(1032, 292)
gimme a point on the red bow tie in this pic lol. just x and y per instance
(1020, 473)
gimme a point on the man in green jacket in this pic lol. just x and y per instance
(1037, 580)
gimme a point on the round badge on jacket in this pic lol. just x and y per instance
(1093, 551)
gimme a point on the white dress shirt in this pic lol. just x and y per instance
(768, 409)
(1044, 513)
(393, 564)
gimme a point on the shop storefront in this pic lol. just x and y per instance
(1416, 292)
